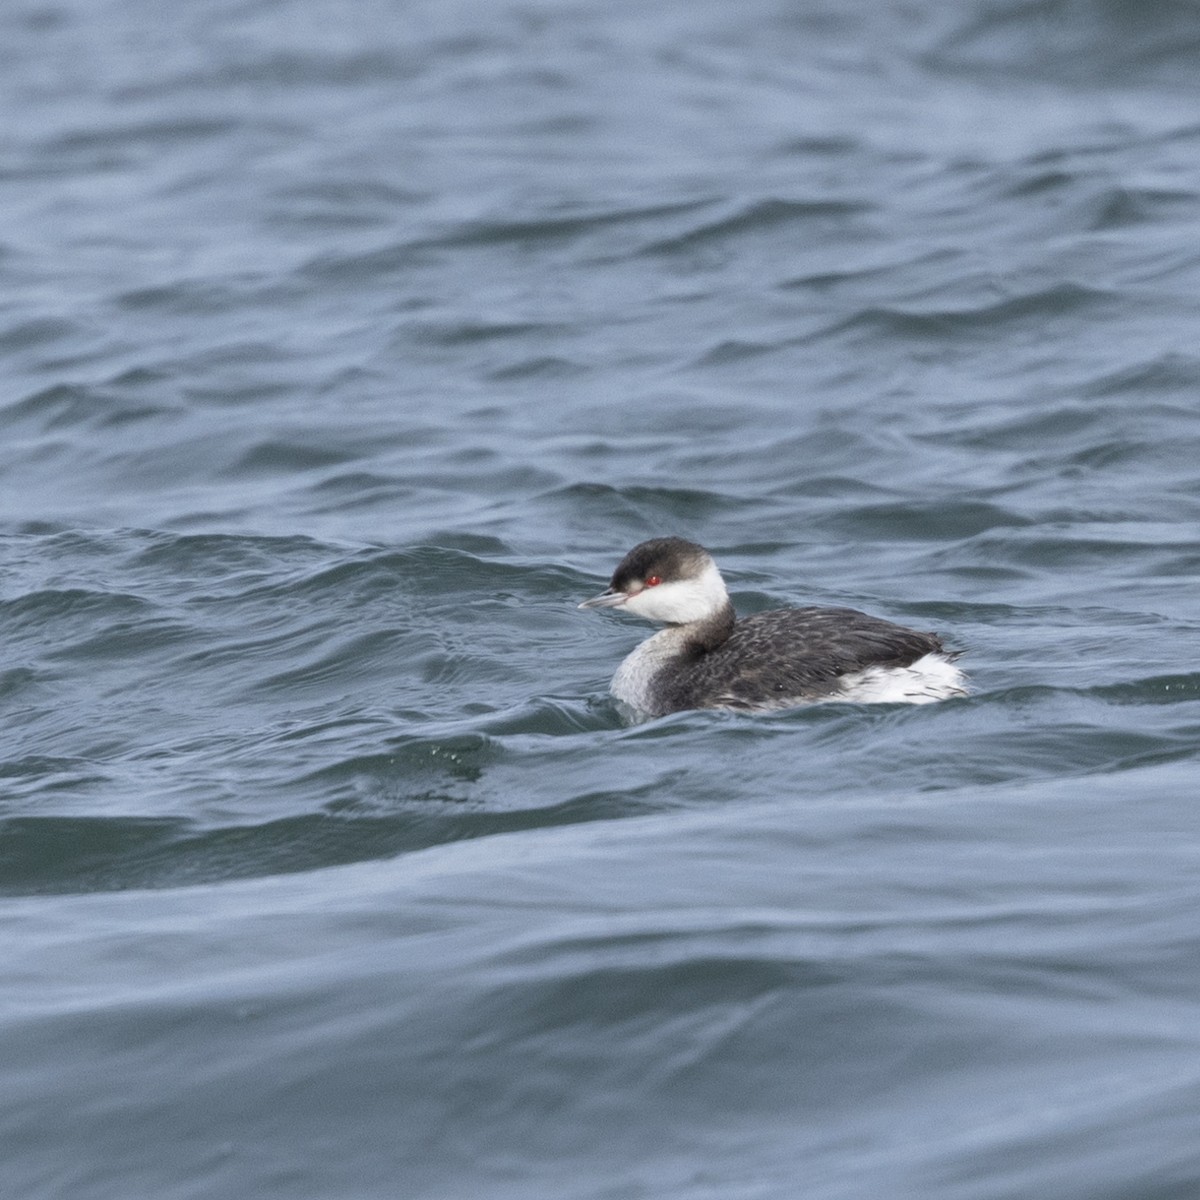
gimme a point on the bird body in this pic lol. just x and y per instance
(708, 658)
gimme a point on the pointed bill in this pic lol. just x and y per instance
(609, 599)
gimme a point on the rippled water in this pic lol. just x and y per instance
(345, 349)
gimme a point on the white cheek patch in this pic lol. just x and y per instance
(655, 604)
(681, 600)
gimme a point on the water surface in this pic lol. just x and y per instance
(345, 349)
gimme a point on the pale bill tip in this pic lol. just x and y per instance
(609, 599)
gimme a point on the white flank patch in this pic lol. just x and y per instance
(930, 678)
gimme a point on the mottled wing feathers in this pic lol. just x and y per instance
(791, 654)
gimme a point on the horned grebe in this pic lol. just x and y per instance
(707, 658)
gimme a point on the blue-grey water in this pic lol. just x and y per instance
(344, 348)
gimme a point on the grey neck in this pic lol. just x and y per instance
(707, 634)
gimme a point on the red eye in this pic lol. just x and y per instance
(653, 581)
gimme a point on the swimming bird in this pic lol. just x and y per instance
(708, 658)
